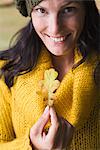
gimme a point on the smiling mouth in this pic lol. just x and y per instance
(59, 39)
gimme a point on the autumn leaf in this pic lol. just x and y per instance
(49, 85)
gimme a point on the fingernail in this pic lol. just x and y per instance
(46, 110)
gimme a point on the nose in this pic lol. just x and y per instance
(54, 25)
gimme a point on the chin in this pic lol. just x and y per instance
(57, 53)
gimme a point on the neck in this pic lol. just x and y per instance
(63, 63)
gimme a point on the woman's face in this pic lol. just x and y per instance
(59, 24)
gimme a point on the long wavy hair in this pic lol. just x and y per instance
(22, 56)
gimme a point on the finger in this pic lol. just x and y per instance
(44, 135)
(54, 124)
(40, 124)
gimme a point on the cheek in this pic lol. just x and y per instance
(38, 25)
(75, 24)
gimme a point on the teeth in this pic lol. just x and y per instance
(58, 39)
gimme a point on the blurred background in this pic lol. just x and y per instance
(11, 21)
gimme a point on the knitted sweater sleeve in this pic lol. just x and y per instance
(8, 140)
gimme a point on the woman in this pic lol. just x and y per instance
(64, 35)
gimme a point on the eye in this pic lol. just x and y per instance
(69, 10)
(40, 11)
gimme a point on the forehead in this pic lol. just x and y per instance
(58, 3)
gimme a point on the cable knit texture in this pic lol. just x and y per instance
(77, 101)
(25, 6)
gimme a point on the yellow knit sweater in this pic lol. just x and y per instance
(77, 101)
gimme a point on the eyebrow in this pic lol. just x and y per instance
(66, 3)
(70, 2)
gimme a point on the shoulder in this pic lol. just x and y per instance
(5, 92)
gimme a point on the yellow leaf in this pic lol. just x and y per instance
(50, 83)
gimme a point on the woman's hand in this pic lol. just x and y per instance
(58, 136)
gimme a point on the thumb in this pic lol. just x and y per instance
(54, 124)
